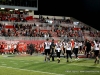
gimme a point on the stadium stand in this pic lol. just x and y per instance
(21, 27)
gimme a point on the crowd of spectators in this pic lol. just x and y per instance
(10, 16)
(94, 34)
(34, 30)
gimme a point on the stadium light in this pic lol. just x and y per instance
(16, 9)
(21, 10)
(26, 9)
(11, 10)
(2, 8)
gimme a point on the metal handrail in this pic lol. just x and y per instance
(44, 38)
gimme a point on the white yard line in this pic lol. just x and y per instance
(12, 61)
(4, 64)
(15, 63)
(32, 70)
(36, 62)
(26, 63)
(22, 61)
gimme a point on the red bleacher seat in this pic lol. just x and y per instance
(44, 31)
(76, 28)
(9, 26)
(29, 18)
(12, 19)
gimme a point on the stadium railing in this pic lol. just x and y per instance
(44, 38)
(38, 23)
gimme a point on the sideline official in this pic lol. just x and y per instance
(52, 48)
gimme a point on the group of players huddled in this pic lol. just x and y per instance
(69, 47)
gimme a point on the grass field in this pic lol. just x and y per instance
(35, 65)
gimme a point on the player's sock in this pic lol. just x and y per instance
(58, 60)
(97, 61)
(67, 60)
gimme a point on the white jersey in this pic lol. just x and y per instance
(96, 46)
(9, 46)
(80, 44)
(58, 46)
(69, 46)
(76, 44)
(47, 45)
(64, 44)
(15, 46)
(6, 47)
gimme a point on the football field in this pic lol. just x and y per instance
(35, 65)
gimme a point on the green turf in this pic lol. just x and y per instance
(35, 65)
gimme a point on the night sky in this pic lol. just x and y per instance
(87, 11)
